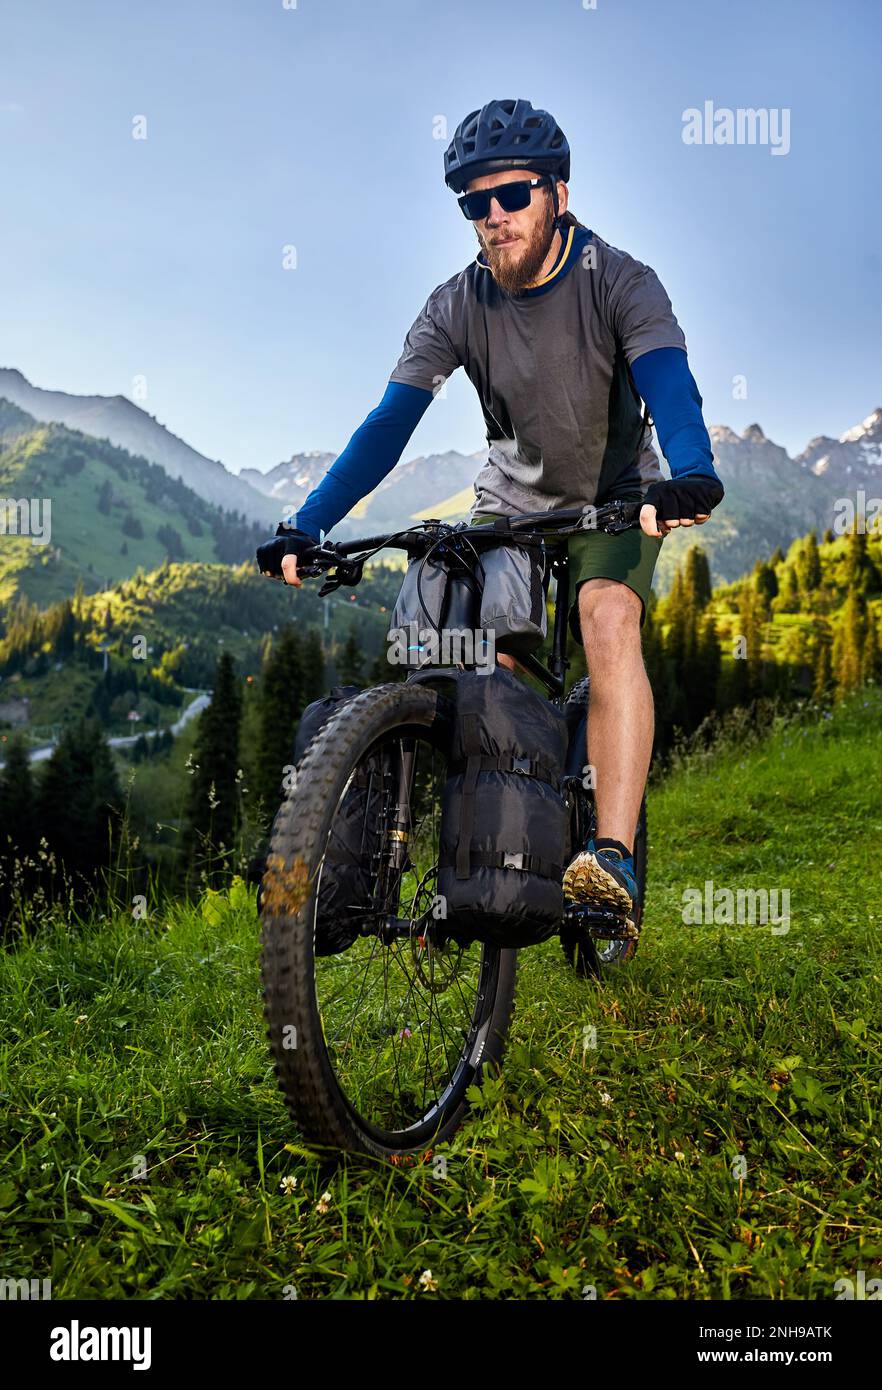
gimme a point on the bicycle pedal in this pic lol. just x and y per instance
(597, 922)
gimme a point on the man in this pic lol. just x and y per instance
(563, 337)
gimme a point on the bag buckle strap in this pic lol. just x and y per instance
(503, 859)
(527, 863)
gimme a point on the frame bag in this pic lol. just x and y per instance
(504, 817)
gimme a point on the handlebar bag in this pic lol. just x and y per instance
(419, 607)
(513, 598)
(511, 604)
(504, 815)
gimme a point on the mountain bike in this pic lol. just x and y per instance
(376, 1045)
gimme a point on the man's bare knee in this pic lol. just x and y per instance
(610, 615)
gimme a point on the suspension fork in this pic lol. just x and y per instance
(400, 821)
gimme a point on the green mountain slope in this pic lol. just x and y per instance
(186, 614)
(103, 511)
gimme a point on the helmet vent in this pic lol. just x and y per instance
(510, 134)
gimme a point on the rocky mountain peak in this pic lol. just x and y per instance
(869, 431)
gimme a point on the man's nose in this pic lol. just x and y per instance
(496, 214)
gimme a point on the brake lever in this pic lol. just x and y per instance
(348, 572)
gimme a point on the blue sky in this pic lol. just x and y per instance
(314, 126)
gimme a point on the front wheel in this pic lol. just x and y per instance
(378, 1022)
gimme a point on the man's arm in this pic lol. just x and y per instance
(371, 453)
(668, 387)
(655, 349)
(427, 360)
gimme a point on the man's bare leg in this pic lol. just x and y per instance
(620, 713)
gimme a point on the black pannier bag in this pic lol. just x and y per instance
(504, 816)
(315, 716)
(348, 870)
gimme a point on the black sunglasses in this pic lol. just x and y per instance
(513, 197)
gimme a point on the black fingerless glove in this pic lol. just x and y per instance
(687, 497)
(287, 541)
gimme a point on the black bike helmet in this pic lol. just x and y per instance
(506, 135)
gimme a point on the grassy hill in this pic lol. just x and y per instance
(610, 1166)
(187, 613)
(106, 512)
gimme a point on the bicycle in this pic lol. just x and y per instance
(376, 1046)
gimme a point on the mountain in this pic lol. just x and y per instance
(87, 510)
(438, 485)
(839, 460)
(129, 427)
(288, 484)
(771, 498)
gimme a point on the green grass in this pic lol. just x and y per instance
(607, 1165)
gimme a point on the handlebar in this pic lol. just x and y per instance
(347, 558)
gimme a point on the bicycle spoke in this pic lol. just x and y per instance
(399, 1004)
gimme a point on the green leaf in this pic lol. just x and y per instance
(118, 1210)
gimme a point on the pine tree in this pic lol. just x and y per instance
(64, 639)
(747, 677)
(764, 582)
(350, 661)
(214, 792)
(706, 671)
(822, 668)
(281, 704)
(17, 825)
(861, 575)
(78, 802)
(677, 615)
(658, 669)
(871, 656)
(848, 643)
(787, 600)
(313, 669)
(697, 579)
(808, 565)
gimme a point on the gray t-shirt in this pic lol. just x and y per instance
(551, 367)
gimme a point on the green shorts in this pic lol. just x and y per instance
(629, 558)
